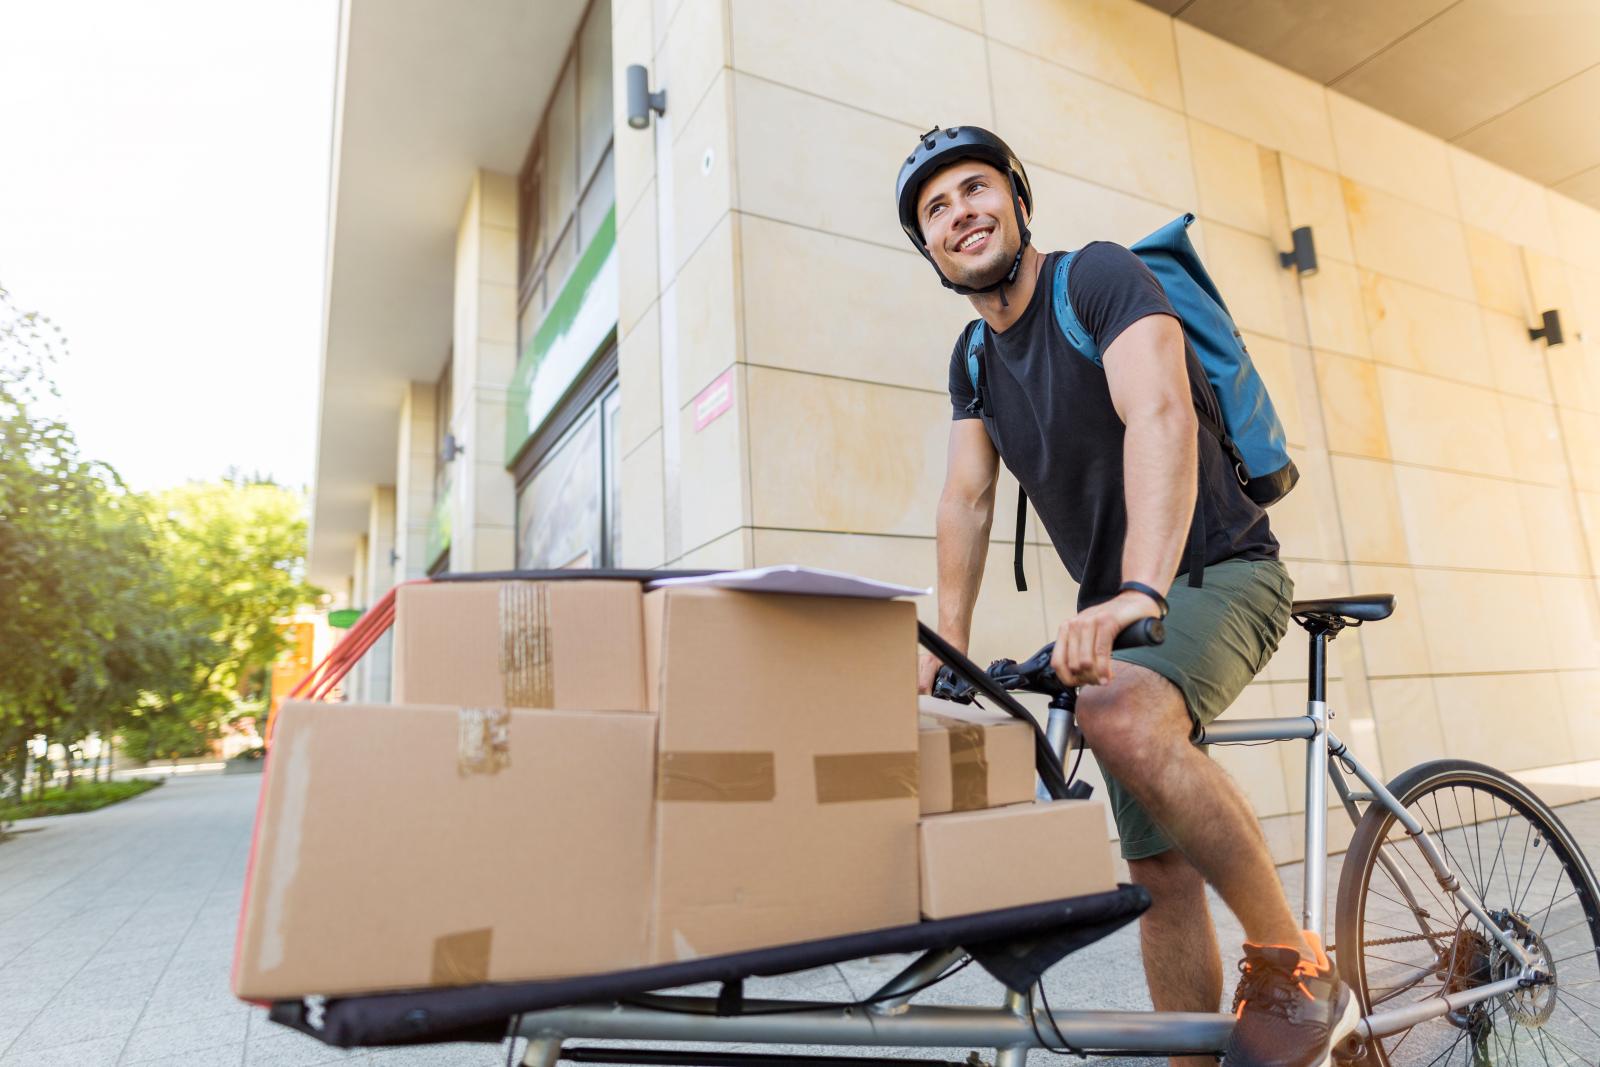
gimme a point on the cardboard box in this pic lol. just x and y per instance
(982, 860)
(567, 644)
(400, 847)
(972, 758)
(787, 774)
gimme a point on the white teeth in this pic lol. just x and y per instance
(971, 239)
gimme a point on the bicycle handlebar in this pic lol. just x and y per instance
(1036, 675)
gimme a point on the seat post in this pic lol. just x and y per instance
(1317, 669)
(1316, 813)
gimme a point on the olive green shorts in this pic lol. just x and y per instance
(1219, 637)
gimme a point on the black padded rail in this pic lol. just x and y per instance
(1016, 945)
(1369, 607)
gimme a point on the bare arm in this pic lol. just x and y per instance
(1149, 385)
(966, 511)
(1150, 389)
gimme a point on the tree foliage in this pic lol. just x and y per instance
(148, 616)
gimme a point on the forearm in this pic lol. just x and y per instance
(963, 546)
(1160, 462)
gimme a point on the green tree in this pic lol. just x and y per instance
(149, 616)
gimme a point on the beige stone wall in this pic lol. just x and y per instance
(1445, 458)
(483, 359)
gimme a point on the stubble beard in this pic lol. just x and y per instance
(992, 270)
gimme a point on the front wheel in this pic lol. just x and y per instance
(1400, 938)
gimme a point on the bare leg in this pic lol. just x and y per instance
(1182, 965)
(1138, 728)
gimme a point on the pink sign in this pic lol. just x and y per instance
(713, 400)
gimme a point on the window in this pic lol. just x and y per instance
(568, 503)
(566, 187)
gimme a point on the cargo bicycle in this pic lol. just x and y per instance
(1467, 923)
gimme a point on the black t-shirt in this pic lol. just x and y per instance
(1049, 412)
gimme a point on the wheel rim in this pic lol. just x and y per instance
(1524, 869)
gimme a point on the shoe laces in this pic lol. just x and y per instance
(1271, 981)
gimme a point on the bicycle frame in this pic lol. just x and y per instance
(1020, 1025)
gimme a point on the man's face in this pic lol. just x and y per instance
(968, 223)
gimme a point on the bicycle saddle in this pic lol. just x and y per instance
(1342, 610)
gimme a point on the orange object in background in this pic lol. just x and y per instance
(294, 664)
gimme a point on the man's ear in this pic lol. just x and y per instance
(1022, 206)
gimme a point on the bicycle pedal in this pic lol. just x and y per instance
(1351, 1052)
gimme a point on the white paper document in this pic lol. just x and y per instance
(805, 581)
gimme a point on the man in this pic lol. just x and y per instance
(1112, 456)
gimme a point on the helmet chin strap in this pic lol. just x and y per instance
(1016, 263)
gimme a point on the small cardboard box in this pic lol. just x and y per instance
(401, 847)
(972, 758)
(787, 774)
(564, 644)
(982, 860)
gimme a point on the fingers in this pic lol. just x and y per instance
(1082, 654)
(1105, 632)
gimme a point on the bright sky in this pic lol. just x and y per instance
(163, 197)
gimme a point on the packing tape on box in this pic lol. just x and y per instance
(461, 958)
(969, 763)
(483, 741)
(853, 776)
(716, 776)
(525, 645)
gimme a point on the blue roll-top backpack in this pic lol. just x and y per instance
(1251, 433)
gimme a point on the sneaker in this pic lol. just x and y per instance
(1289, 1011)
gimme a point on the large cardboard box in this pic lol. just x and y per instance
(981, 860)
(972, 758)
(787, 773)
(404, 846)
(564, 644)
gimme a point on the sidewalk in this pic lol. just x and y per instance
(117, 927)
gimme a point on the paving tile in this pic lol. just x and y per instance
(272, 1045)
(85, 1022)
(99, 1050)
(219, 1056)
(200, 1030)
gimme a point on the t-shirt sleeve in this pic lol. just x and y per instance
(1111, 289)
(961, 392)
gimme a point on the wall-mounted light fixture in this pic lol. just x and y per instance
(1303, 257)
(1550, 332)
(641, 101)
(450, 449)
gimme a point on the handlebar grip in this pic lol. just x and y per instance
(1142, 634)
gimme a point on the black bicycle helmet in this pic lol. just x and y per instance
(936, 150)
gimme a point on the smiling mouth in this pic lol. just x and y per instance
(975, 241)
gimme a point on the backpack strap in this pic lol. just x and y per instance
(1066, 318)
(974, 364)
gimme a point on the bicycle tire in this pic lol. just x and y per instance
(1411, 787)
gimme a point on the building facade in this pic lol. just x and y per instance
(557, 340)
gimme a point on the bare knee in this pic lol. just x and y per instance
(1171, 880)
(1135, 724)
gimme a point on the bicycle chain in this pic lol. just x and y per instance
(1399, 940)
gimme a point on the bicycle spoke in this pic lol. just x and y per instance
(1398, 968)
(1527, 835)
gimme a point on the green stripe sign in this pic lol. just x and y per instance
(578, 323)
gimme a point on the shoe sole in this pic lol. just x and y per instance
(1348, 1021)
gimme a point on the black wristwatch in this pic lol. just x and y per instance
(1140, 587)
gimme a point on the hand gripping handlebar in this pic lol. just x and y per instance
(961, 680)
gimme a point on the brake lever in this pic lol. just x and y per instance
(946, 686)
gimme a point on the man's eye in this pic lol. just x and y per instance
(978, 187)
(932, 211)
